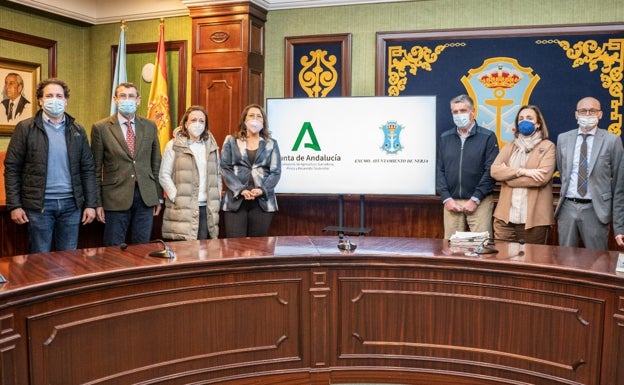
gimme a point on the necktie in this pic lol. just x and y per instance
(10, 116)
(582, 170)
(130, 137)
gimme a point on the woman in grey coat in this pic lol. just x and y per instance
(251, 167)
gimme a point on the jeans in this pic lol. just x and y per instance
(140, 217)
(59, 218)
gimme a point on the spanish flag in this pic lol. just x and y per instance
(158, 104)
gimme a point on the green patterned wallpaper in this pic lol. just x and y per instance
(84, 62)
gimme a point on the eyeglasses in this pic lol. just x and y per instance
(585, 111)
(127, 96)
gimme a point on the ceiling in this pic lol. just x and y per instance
(111, 11)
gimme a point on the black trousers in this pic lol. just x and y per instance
(249, 221)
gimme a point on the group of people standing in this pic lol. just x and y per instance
(590, 164)
(55, 180)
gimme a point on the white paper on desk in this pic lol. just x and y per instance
(470, 235)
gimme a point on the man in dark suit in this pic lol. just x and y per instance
(14, 101)
(588, 159)
(127, 160)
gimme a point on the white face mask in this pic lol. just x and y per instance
(587, 123)
(254, 126)
(54, 107)
(196, 129)
(461, 120)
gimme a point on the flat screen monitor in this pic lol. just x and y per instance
(355, 145)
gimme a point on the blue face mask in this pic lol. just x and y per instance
(526, 127)
(127, 106)
(54, 107)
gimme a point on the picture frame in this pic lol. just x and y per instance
(334, 57)
(25, 101)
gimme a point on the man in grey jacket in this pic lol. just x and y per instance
(588, 159)
(49, 173)
(618, 207)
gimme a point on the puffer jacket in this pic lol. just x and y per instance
(181, 218)
(26, 164)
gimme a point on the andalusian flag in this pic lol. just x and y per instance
(121, 76)
(158, 103)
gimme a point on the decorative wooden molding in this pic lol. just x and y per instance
(36, 41)
(344, 77)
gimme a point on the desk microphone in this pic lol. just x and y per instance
(164, 253)
(345, 244)
(484, 249)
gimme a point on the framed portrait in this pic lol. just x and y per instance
(317, 66)
(19, 85)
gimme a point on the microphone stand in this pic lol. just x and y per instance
(345, 244)
(484, 249)
(164, 253)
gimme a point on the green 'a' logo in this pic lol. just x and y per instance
(313, 144)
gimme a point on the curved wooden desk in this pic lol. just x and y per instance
(296, 310)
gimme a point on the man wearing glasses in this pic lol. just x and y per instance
(127, 160)
(588, 158)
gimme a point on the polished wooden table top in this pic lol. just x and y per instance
(25, 272)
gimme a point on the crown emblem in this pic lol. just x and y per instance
(392, 131)
(500, 77)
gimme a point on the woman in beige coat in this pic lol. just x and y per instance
(190, 175)
(525, 168)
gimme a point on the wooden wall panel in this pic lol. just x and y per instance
(219, 36)
(197, 330)
(393, 318)
(419, 217)
(386, 216)
(219, 92)
(228, 62)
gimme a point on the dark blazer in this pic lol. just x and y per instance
(18, 109)
(602, 168)
(239, 173)
(116, 170)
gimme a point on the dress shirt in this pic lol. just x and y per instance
(572, 193)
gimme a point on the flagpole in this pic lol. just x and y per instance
(158, 103)
(121, 75)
